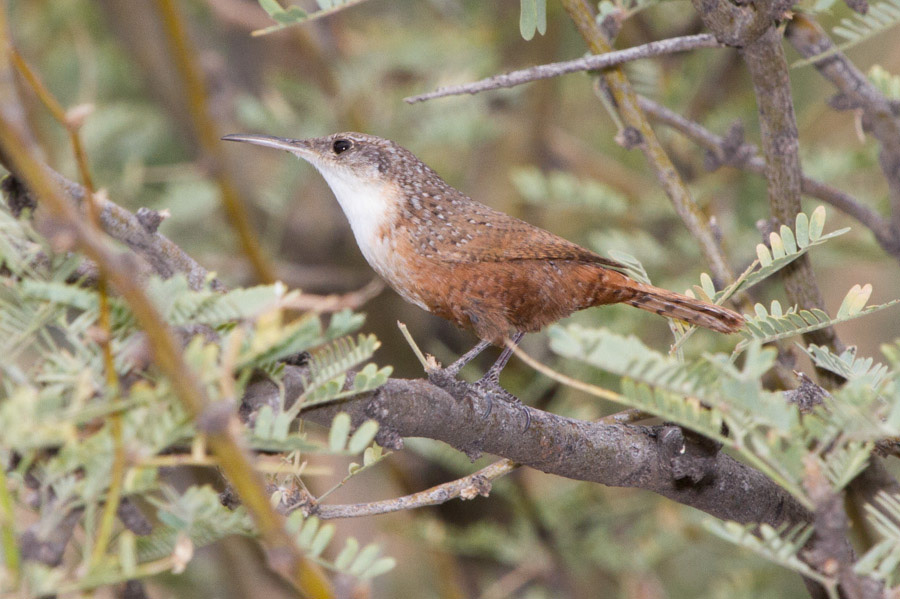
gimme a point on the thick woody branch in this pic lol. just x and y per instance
(733, 151)
(764, 57)
(661, 459)
(880, 117)
(589, 63)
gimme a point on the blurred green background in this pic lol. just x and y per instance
(543, 152)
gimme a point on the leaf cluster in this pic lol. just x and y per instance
(56, 412)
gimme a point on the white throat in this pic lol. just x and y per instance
(367, 206)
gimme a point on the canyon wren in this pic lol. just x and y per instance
(463, 261)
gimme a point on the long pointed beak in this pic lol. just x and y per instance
(300, 147)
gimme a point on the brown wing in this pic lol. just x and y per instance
(492, 236)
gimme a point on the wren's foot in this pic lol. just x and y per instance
(488, 387)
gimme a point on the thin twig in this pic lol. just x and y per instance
(308, 302)
(879, 116)
(588, 63)
(414, 346)
(628, 416)
(72, 124)
(208, 137)
(11, 556)
(467, 487)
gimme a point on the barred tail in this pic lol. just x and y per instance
(682, 307)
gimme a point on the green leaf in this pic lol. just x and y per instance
(340, 430)
(529, 18)
(801, 229)
(848, 365)
(817, 223)
(363, 436)
(787, 239)
(321, 540)
(763, 255)
(774, 324)
(292, 15)
(633, 267)
(541, 6)
(309, 530)
(854, 301)
(271, 6)
(364, 560)
(706, 284)
(777, 246)
(345, 557)
(381, 566)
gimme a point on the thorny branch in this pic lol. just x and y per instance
(589, 63)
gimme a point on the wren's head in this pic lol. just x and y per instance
(364, 172)
(348, 160)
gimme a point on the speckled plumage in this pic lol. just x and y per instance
(464, 261)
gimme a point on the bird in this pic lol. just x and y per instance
(463, 261)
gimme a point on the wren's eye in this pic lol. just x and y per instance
(341, 145)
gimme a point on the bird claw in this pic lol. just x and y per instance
(489, 387)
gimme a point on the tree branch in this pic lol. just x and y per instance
(138, 232)
(764, 56)
(467, 487)
(880, 118)
(659, 458)
(733, 151)
(589, 63)
(640, 131)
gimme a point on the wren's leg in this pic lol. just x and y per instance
(490, 382)
(493, 373)
(467, 357)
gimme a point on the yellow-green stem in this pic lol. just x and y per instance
(208, 137)
(7, 530)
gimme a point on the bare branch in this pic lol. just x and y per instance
(332, 303)
(743, 155)
(642, 134)
(467, 487)
(589, 63)
(880, 118)
(829, 550)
